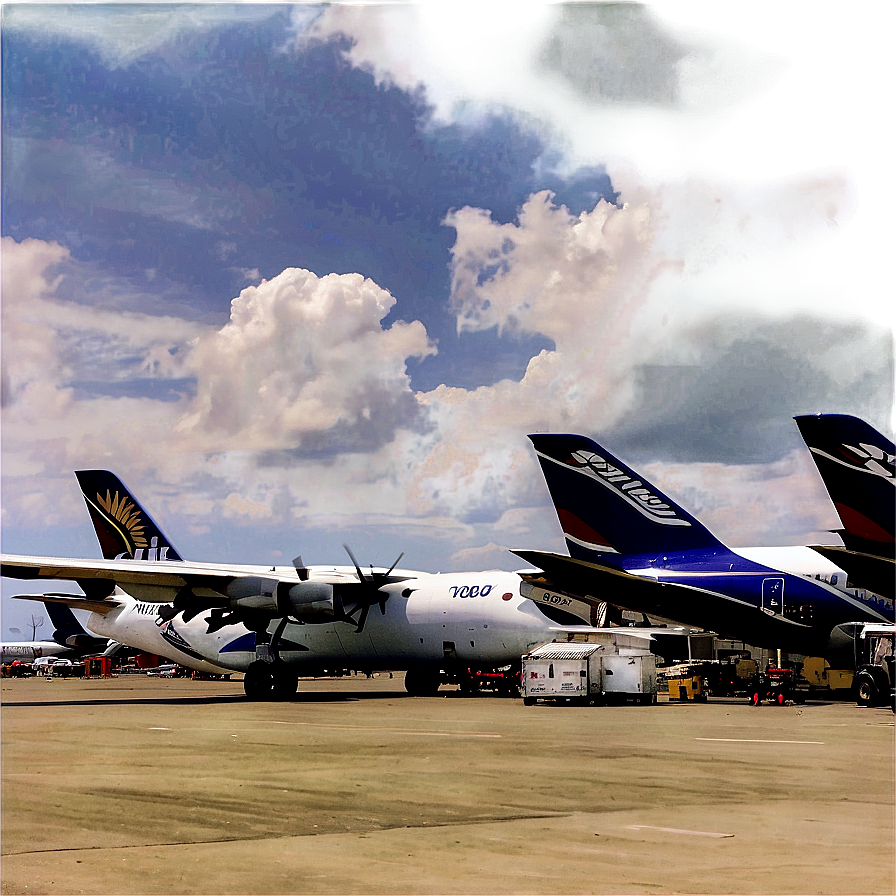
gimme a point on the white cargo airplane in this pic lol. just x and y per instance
(276, 623)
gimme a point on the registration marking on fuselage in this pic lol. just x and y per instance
(750, 740)
(650, 827)
(397, 730)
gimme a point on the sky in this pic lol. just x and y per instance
(305, 275)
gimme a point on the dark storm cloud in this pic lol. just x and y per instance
(736, 405)
(614, 53)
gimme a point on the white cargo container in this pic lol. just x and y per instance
(631, 676)
(613, 666)
(562, 671)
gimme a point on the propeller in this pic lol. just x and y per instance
(375, 581)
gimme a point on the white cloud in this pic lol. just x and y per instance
(300, 357)
(388, 40)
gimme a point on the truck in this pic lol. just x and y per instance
(874, 679)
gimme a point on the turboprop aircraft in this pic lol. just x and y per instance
(856, 463)
(275, 623)
(632, 545)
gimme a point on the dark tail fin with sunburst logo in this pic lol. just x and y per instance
(124, 529)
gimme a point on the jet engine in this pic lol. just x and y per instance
(305, 601)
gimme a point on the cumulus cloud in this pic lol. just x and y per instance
(305, 362)
(641, 356)
(30, 351)
(51, 342)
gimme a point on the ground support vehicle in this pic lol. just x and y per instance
(611, 669)
(874, 680)
(777, 686)
(504, 681)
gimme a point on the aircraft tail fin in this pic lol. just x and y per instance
(605, 507)
(123, 527)
(856, 463)
(69, 631)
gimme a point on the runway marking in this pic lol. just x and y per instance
(650, 827)
(398, 730)
(158, 729)
(748, 740)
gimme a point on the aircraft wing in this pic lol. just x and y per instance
(595, 583)
(869, 571)
(174, 574)
(704, 607)
(233, 593)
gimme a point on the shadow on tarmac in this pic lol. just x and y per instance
(208, 701)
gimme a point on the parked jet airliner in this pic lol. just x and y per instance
(275, 623)
(632, 545)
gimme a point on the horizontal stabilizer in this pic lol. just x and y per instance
(75, 601)
(868, 571)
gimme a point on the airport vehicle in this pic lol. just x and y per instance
(276, 623)
(856, 463)
(632, 545)
(778, 686)
(874, 681)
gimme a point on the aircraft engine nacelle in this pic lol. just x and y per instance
(310, 601)
(253, 593)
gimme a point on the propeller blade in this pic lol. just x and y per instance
(397, 561)
(348, 551)
(363, 619)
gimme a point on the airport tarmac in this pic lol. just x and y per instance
(148, 785)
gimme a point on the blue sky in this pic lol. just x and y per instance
(305, 275)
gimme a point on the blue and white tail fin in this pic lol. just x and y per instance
(604, 507)
(856, 463)
(69, 632)
(124, 529)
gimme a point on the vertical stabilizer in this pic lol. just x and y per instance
(124, 529)
(856, 463)
(603, 506)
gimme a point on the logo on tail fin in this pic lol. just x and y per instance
(124, 519)
(632, 491)
(864, 459)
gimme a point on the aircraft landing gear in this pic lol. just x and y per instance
(269, 678)
(422, 682)
(269, 681)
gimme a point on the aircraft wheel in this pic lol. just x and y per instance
(422, 682)
(258, 682)
(285, 684)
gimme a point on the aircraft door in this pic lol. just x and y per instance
(773, 596)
